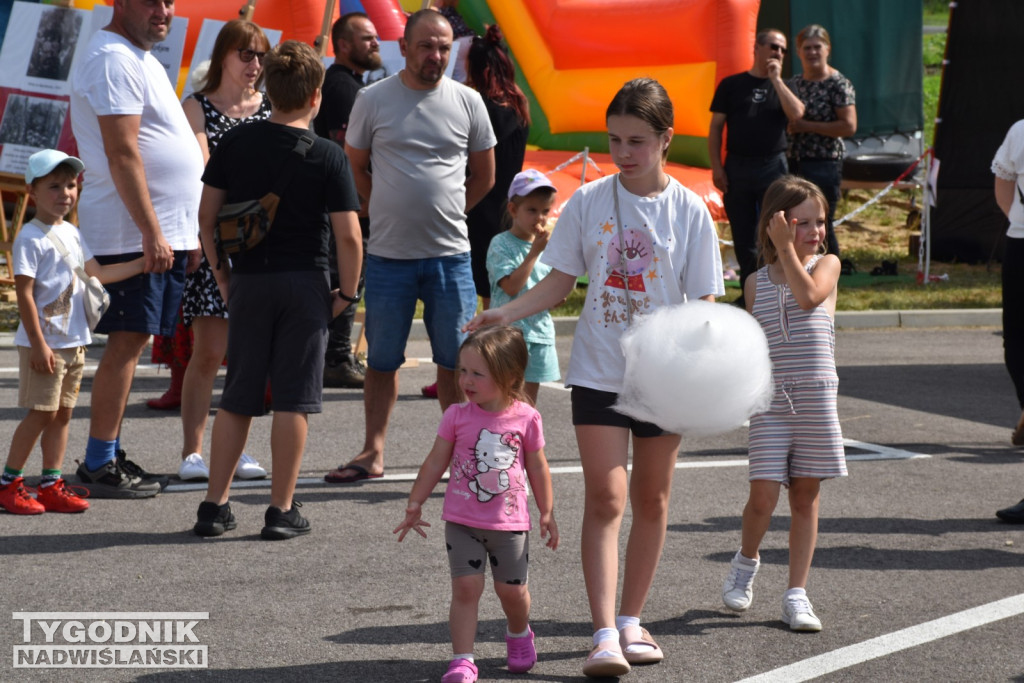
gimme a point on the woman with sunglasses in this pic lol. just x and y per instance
(229, 97)
(816, 148)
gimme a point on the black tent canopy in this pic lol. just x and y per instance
(982, 95)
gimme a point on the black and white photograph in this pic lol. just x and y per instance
(54, 46)
(32, 121)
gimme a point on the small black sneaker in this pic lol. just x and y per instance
(134, 470)
(213, 519)
(111, 481)
(281, 525)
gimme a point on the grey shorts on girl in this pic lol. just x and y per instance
(469, 548)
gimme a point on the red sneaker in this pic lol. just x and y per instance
(16, 500)
(60, 498)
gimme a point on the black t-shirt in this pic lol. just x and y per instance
(509, 153)
(339, 93)
(247, 164)
(754, 120)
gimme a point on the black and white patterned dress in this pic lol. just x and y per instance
(202, 297)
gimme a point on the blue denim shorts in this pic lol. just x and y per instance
(146, 303)
(543, 363)
(444, 285)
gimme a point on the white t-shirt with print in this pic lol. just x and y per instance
(672, 256)
(57, 290)
(114, 77)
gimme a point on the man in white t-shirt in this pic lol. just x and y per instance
(140, 197)
(421, 132)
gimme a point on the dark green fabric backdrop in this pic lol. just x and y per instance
(875, 43)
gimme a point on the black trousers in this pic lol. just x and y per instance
(1013, 313)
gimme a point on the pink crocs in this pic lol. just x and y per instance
(460, 671)
(522, 655)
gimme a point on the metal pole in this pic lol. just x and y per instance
(247, 10)
(320, 42)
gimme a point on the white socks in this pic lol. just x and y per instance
(622, 622)
(603, 635)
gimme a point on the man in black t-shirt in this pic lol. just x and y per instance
(755, 107)
(356, 51)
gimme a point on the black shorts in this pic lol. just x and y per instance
(594, 407)
(277, 330)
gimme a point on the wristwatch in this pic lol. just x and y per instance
(351, 299)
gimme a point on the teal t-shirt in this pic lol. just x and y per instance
(504, 255)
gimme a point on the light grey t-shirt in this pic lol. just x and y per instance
(419, 142)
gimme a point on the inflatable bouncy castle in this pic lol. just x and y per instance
(571, 57)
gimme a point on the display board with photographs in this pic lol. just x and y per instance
(35, 72)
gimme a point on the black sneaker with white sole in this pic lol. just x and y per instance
(135, 470)
(281, 525)
(213, 519)
(111, 481)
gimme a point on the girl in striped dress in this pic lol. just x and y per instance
(797, 442)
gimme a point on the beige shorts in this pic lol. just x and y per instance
(42, 391)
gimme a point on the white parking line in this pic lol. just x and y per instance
(890, 643)
(141, 368)
(876, 452)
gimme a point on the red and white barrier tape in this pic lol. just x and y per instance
(884, 191)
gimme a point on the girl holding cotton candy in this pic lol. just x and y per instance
(646, 242)
(797, 442)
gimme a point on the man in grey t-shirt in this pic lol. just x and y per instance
(421, 133)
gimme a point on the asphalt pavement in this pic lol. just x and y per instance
(914, 578)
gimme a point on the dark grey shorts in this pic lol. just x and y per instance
(277, 329)
(469, 549)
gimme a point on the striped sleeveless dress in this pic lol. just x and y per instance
(799, 434)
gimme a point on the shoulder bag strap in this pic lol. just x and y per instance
(302, 146)
(79, 270)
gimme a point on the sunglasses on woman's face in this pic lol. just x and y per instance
(247, 55)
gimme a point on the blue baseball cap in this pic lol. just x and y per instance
(43, 163)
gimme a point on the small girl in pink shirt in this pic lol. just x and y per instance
(493, 443)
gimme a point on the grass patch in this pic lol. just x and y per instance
(934, 53)
(936, 12)
(967, 287)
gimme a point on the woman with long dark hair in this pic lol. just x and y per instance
(491, 73)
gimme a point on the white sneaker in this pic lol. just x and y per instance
(248, 468)
(738, 589)
(798, 613)
(193, 469)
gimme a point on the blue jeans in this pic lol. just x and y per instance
(826, 174)
(444, 285)
(748, 178)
